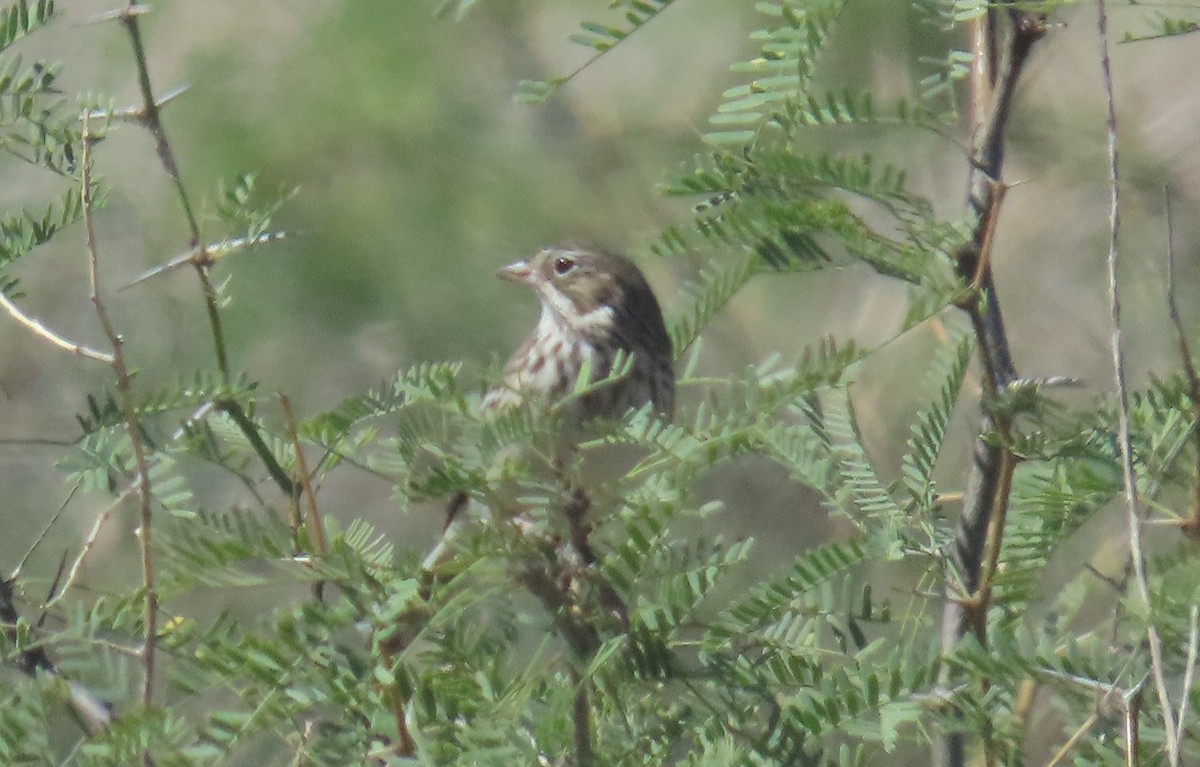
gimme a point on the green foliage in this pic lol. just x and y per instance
(784, 68)
(634, 635)
(19, 20)
(929, 428)
(1165, 26)
(22, 232)
(600, 37)
(460, 8)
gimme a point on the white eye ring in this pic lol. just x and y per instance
(564, 265)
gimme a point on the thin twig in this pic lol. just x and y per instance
(151, 117)
(212, 307)
(249, 429)
(93, 535)
(46, 334)
(36, 442)
(299, 759)
(550, 582)
(1133, 712)
(397, 702)
(1133, 515)
(45, 530)
(133, 114)
(1191, 525)
(312, 516)
(1189, 672)
(132, 426)
(581, 720)
(983, 65)
(90, 541)
(1074, 740)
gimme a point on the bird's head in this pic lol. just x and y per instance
(583, 288)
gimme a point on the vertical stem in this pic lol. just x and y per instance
(151, 117)
(152, 120)
(132, 426)
(212, 307)
(1191, 525)
(581, 717)
(974, 556)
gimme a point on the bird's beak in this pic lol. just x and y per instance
(520, 272)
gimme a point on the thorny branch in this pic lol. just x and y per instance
(985, 499)
(150, 117)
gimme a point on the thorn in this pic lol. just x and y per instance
(119, 14)
(173, 94)
(174, 263)
(136, 114)
(207, 255)
(1057, 382)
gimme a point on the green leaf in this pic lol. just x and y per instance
(20, 19)
(929, 429)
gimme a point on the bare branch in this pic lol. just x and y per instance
(1079, 734)
(306, 492)
(90, 541)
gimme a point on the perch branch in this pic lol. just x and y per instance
(547, 584)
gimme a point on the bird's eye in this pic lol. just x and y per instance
(563, 265)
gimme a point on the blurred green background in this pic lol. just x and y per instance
(418, 176)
